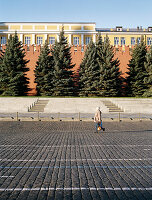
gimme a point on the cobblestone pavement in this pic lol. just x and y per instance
(67, 160)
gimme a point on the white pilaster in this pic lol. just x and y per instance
(94, 37)
(57, 38)
(21, 38)
(33, 38)
(70, 39)
(82, 39)
(45, 37)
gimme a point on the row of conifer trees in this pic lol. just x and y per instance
(99, 73)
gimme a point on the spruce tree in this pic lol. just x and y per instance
(148, 79)
(110, 76)
(89, 72)
(63, 75)
(137, 72)
(44, 72)
(13, 81)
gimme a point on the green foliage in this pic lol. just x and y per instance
(137, 72)
(110, 76)
(63, 77)
(13, 81)
(148, 78)
(99, 71)
(89, 73)
(44, 72)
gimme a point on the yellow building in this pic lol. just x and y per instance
(37, 33)
(76, 33)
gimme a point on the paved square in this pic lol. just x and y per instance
(67, 160)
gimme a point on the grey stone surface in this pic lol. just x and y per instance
(67, 160)
(76, 105)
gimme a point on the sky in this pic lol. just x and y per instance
(106, 13)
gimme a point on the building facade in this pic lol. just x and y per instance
(77, 33)
(34, 34)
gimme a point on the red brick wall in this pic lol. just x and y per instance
(32, 53)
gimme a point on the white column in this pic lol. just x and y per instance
(8, 35)
(70, 39)
(82, 39)
(21, 38)
(45, 37)
(94, 37)
(33, 38)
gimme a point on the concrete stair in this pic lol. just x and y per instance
(112, 107)
(39, 106)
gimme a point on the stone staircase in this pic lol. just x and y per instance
(112, 107)
(38, 106)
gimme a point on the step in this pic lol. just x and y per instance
(112, 107)
(39, 106)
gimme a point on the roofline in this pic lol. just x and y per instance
(54, 22)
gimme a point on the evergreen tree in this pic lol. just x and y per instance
(110, 76)
(44, 72)
(137, 72)
(63, 75)
(13, 81)
(148, 79)
(89, 72)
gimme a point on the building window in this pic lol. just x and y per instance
(51, 40)
(116, 40)
(149, 41)
(87, 40)
(122, 41)
(138, 40)
(39, 40)
(3, 40)
(133, 41)
(27, 40)
(75, 40)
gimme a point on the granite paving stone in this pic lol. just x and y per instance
(67, 160)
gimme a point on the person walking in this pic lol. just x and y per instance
(97, 119)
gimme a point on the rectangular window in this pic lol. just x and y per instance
(133, 41)
(116, 40)
(3, 40)
(39, 40)
(27, 40)
(122, 41)
(51, 40)
(149, 41)
(138, 40)
(75, 40)
(87, 40)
